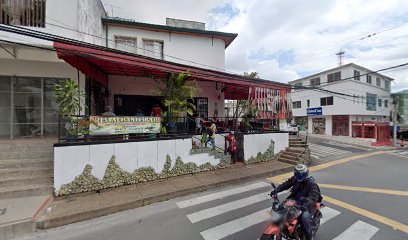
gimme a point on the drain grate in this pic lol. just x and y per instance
(3, 211)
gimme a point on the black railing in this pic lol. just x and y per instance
(76, 128)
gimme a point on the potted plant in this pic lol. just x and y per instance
(68, 96)
(177, 90)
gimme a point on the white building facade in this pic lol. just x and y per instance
(28, 74)
(342, 97)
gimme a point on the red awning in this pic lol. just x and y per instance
(99, 62)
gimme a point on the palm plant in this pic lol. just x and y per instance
(178, 93)
(68, 96)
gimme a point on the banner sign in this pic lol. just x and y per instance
(314, 111)
(123, 125)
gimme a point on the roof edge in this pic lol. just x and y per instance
(227, 37)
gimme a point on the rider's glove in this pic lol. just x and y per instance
(274, 192)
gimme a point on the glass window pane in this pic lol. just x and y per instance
(5, 100)
(50, 116)
(49, 101)
(27, 130)
(49, 84)
(31, 100)
(27, 115)
(4, 115)
(4, 130)
(50, 130)
(5, 83)
(22, 84)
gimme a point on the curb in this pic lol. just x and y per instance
(17, 229)
(78, 217)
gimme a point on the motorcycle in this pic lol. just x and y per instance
(285, 222)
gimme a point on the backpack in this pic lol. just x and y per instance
(318, 188)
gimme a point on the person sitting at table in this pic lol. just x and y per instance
(156, 111)
(139, 113)
(108, 112)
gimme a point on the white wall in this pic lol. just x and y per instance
(193, 48)
(255, 143)
(144, 86)
(70, 161)
(343, 105)
(71, 17)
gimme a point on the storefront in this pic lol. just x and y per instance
(28, 107)
(318, 125)
(340, 125)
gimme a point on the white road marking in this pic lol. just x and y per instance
(359, 230)
(220, 195)
(323, 151)
(229, 228)
(328, 213)
(224, 208)
(314, 156)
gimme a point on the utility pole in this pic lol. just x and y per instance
(395, 120)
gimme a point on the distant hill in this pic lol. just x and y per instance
(403, 91)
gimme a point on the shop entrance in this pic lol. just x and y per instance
(340, 125)
(319, 126)
(136, 105)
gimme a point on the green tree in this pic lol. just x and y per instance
(177, 92)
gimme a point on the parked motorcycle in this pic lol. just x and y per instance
(285, 222)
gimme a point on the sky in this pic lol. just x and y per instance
(286, 40)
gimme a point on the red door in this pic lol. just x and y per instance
(340, 125)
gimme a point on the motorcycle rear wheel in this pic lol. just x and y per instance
(267, 237)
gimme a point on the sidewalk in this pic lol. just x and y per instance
(79, 207)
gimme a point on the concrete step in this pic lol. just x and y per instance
(285, 160)
(25, 172)
(295, 140)
(287, 153)
(26, 155)
(25, 191)
(17, 229)
(26, 180)
(295, 149)
(24, 163)
(289, 156)
(297, 145)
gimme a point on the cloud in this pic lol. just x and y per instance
(285, 40)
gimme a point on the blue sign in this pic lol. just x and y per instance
(314, 111)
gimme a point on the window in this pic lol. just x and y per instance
(334, 77)
(23, 12)
(387, 84)
(153, 49)
(369, 79)
(202, 106)
(378, 82)
(308, 103)
(297, 104)
(379, 102)
(386, 103)
(326, 101)
(356, 75)
(314, 81)
(371, 104)
(128, 44)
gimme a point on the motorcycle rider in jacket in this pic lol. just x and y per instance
(304, 190)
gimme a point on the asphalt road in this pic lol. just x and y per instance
(371, 204)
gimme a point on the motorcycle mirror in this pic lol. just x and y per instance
(273, 185)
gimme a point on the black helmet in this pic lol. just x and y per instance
(301, 172)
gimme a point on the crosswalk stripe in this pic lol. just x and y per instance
(359, 230)
(219, 195)
(237, 225)
(220, 209)
(328, 213)
(329, 149)
(315, 156)
(229, 228)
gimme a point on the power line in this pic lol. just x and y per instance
(82, 53)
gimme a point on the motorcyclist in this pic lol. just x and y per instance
(305, 191)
